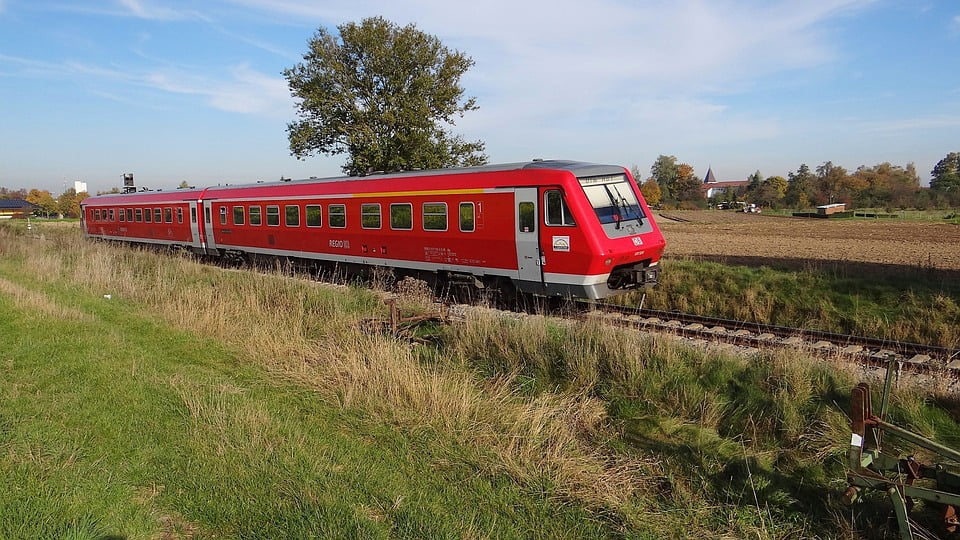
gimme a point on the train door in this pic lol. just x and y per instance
(529, 264)
(198, 243)
(211, 243)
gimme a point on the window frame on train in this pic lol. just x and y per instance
(370, 216)
(397, 221)
(431, 215)
(337, 216)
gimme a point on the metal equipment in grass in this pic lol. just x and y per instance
(413, 328)
(902, 479)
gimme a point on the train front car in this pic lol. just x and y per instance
(601, 207)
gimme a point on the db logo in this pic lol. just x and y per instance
(637, 241)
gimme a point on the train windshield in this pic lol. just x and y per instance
(612, 199)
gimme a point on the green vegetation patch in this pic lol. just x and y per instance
(922, 306)
(116, 424)
(751, 446)
(203, 402)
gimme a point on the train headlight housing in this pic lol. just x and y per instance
(608, 261)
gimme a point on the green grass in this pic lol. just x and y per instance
(201, 402)
(749, 446)
(920, 306)
(118, 425)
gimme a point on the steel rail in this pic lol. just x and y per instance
(900, 347)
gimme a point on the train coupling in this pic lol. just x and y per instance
(634, 276)
(648, 276)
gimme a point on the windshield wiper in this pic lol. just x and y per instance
(626, 206)
(616, 205)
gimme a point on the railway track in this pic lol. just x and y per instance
(751, 335)
(867, 350)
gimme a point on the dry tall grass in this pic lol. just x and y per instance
(525, 397)
(308, 333)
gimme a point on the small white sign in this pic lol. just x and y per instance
(637, 241)
(561, 243)
(856, 440)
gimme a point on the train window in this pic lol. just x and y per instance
(112, 216)
(238, 215)
(168, 215)
(139, 213)
(193, 214)
(157, 215)
(96, 215)
(337, 217)
(255, 215)
(147, 215)
(528, 218)
(122, 215)
(555, 209)
(370, 216)
(129, 214)
(273, 216)
(179, 215)
(466, 217)
(401, 216)
(291, 215)
(223, 215)
(434, 216)
(313, 215)
(206, 214)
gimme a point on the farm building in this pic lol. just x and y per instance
(827, 209)
(16, 208)
(712, 187)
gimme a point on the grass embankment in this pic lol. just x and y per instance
(918, 306)
(148, 431)
(204, 402)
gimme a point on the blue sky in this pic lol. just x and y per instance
(194, 91)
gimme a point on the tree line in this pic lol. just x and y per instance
(674, 184)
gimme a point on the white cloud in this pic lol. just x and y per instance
(146, 10)
(245, 91)
(560, 62)
(241, 89)
(140, 9)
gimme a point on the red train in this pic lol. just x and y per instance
(551, 228)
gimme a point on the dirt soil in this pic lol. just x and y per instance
(717, 233)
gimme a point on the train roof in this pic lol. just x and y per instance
(578, 168)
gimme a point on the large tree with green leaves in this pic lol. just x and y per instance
(664, 170)
(800, 188)
(946, 174)
(384, 95)
(831, 182)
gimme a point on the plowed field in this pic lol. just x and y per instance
(883, 241)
